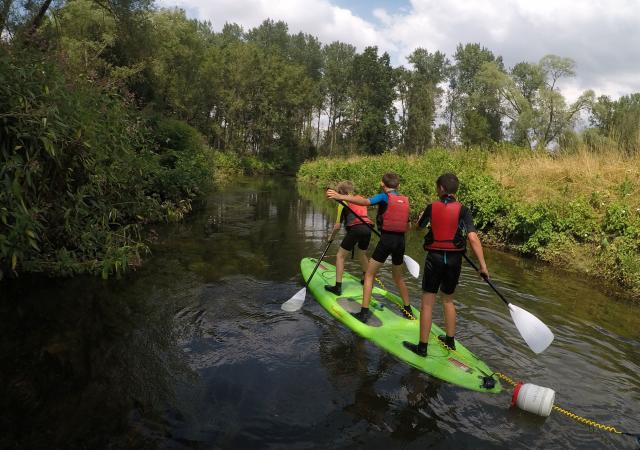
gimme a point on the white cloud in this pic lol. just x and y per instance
(317, 17)
(602, 37)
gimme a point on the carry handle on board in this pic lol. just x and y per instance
(412, 265)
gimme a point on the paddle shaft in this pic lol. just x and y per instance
(414, 267)
(360, 218)
(306, 283)
(485, 278)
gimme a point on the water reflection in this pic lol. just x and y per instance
(193, 350)
(81, 362)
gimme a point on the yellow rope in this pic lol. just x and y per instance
(404, 311)
(569, 414)
(506, 378)
(586, 421)
(577, 418)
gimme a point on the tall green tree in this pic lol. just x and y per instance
(475, 106)
(338, 67)
(423, 97)
(372, 96)
(530, 98)
(619, 120)
(271, 36)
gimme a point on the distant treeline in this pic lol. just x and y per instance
(114, 113)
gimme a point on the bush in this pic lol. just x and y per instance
(81, 172)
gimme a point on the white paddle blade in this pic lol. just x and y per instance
(295, 302)
(412, 266)
(536, 334)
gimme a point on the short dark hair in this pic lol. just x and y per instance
(391, 180)
(449, 183)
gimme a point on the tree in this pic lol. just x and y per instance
(475, 106)
(372, 95)
(423, 97)
(618, 120)
(531, 100)
(271, 36)
(338, 67)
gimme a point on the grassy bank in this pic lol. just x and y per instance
(579, 210)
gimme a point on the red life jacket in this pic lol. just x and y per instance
(396, 217)
(445, 227)
(361, 212)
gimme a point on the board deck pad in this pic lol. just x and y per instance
(387, 328)
(351, 305)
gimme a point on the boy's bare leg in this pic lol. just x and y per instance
(340, 257)
(449, 314)
(372, 270)
(426, 313)
(399, 280)
(364, 261)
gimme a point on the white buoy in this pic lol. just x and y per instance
(533, 398)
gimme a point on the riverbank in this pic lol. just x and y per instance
(579, 211)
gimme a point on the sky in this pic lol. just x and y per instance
(601, 36)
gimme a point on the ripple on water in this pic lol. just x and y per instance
(272, 379)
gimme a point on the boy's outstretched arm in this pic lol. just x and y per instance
(348, 198)
(336, 228)
(476, 246)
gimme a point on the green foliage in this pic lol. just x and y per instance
(80, 172)
(372, 93)
(422, 97)
(476, 104)
(618, 120)
(227, 166)
(551, 229)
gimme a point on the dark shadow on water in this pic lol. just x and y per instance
(81, 362)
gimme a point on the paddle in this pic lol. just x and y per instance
(296, 302)
(412, 265)
(536, 334)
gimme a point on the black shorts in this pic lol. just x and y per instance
(441, 271)
(360, 234)
(390, 244)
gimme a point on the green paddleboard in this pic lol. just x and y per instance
(387, 328)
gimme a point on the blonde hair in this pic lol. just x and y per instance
(345, 188)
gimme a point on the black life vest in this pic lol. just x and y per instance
(396, 217)
(445, 233)
(361, 212)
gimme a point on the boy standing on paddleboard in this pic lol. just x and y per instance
(445, 243)
(393, 222)
(355, 220)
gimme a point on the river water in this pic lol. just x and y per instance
(193, 350)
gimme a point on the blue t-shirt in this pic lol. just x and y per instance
(382, 200)
(382, 197)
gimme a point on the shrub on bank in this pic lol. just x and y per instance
(562, 223)
(227, 165)
(81, 170)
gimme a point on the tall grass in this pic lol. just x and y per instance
(580, 210)
(535, 175)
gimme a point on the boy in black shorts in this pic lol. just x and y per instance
(393, 222)
(451, 227)
(357, 233)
